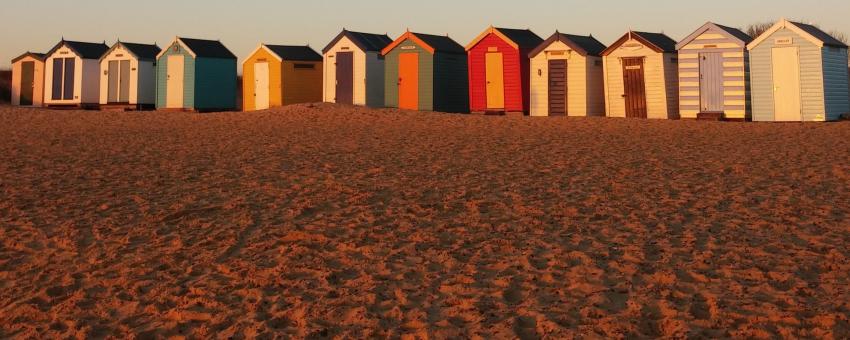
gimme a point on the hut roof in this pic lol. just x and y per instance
(365, 41)
(584, 45)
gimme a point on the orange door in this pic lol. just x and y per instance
(408, 81)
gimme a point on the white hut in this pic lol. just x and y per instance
(354, 69)
(128, 76)
(641, 77)
(72, 74)
(566, 77)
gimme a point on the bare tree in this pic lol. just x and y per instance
(839, 35)
(755, 30)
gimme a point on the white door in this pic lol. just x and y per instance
(174, 82)
(786, 85)
(261, 86)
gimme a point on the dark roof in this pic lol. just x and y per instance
(441, 43)
(660, 40)
(584, 45)
(827, 39)
(366, 41)
(208, 48)
(85, 50)
(746, 38)
(523, 38)
(37, 56)
(295, 53)
(142, 51)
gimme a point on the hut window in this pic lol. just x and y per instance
(305, 66)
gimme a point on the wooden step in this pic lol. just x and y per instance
(712, 116)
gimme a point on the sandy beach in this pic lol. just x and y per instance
(323, 221)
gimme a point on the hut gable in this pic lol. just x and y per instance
(36, 56)
(518, 39)
(139, 51)
(658, 42)
(83, 50)
(583, 45)
(729, 33)
(367, 42)
(808, 32)
(431, 43)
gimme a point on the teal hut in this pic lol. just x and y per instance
(196, 75)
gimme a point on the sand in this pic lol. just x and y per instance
(337, 222)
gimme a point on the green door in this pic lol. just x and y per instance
(27, 82)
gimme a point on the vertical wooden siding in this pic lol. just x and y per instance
(811, 78)
(301, 85)
(215, 84)
(374, 83)
(188, 79)
(451, 82)
(595, 87)
(655, 76)
(835, 82)
(248, 80)
(735, 87)
(426, 75)
(515, 99)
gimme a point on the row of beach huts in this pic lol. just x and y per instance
(792, 72)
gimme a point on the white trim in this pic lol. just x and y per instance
(784, 23)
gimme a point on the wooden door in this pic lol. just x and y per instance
(68, 79)
(174, 81)
(558, 87)
(711, 82)
(261, 86)
(634, 87)
(495, 76)
(345, 78)
(408, 81)
(58, 73)
(27, 83)
(124, 81)
(113, 79)
(786, 85)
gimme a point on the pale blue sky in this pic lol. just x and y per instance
(242, 24)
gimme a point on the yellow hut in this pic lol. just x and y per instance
(275, 75)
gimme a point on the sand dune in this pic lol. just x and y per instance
(338, 222)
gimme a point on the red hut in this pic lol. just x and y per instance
(499, 70)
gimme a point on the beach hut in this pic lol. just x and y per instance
(354, 69)
(713, 74)
(128, 76)
(72, 74)
(566, 77)
(28, 79)
(196, 75)
(499, 70)
(426, 72)
(276, 75)
(798, 73)
(641, 77)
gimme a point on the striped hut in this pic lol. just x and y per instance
(714, 74)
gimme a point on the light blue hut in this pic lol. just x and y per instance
(798, 73)
(196, 75)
